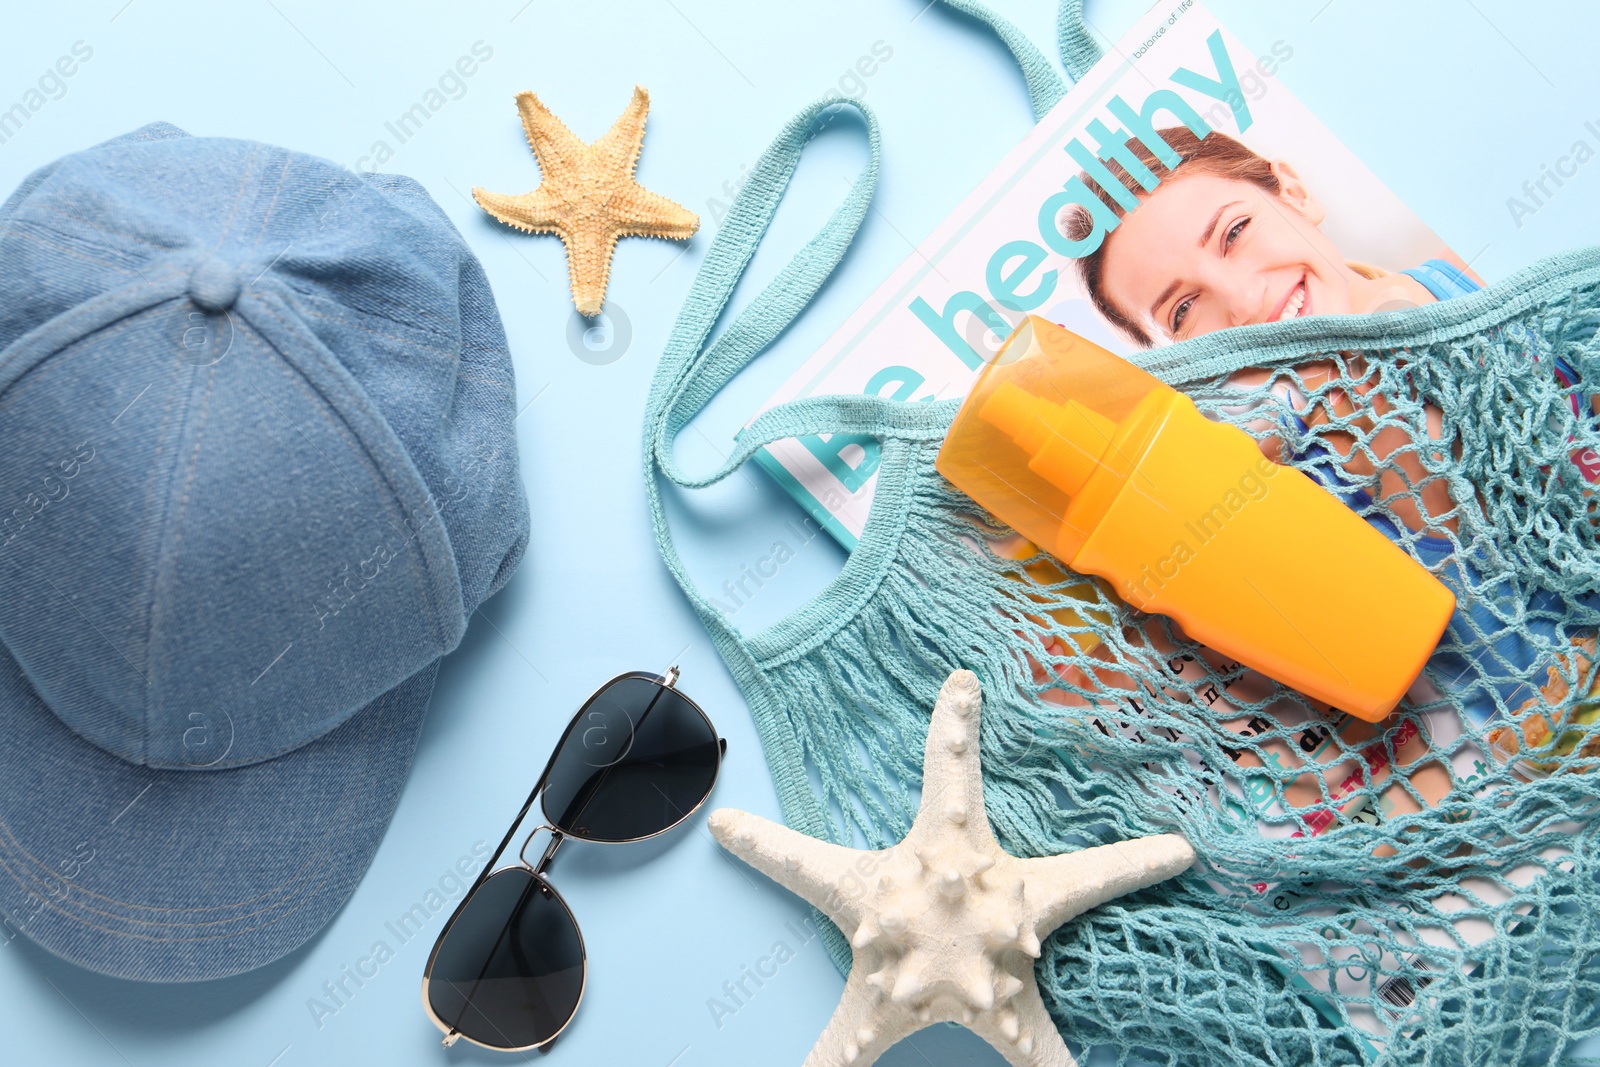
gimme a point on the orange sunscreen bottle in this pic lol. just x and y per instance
(1119, 475)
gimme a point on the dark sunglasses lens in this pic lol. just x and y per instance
(639, 758)
(508, 972)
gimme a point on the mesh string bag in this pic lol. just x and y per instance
(1418, 891)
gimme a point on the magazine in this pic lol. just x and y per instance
(1201, 256)
(1009, 249)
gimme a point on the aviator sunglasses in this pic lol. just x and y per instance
(509, 968)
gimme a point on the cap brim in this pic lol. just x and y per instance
(190, 875)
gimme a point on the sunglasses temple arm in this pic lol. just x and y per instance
(511, 831)
(483, 876)
(511, 921)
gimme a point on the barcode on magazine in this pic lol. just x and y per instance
(1399, 992)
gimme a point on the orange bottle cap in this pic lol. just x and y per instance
(1037, 425)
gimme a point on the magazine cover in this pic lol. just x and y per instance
(1083, 225)
(1275, 218)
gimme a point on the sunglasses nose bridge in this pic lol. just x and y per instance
(556, 838)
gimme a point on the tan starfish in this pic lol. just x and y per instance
(588, 196)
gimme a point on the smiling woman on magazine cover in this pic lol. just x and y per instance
(1229, 238)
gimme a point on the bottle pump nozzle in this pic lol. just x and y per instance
(1065, 441)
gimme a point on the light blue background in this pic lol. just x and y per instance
(1454, 102)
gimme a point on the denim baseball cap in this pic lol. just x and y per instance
(258, 455)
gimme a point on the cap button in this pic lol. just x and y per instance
(214, 285)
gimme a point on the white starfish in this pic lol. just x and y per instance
(945, 926)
